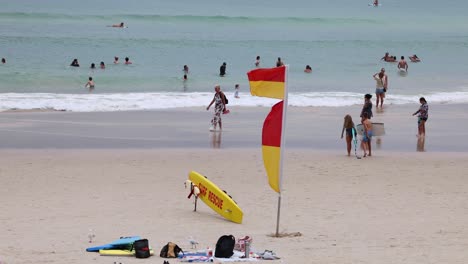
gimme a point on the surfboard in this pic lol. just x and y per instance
(120, 252)
(216, 198)
(120, 243)
(378, 129)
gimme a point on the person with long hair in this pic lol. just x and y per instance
(348, 126)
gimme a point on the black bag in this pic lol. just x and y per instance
(170, 250)
(141, 248)
(225, 246)
(225, 99)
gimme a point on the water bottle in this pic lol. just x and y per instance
(247, 249)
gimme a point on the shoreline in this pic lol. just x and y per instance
(316, 128)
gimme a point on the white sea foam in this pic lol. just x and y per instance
(153, 101)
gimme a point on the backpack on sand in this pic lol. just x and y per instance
(141, 248)
(170, 250)
(225, 246)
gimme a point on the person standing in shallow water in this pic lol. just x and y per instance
(90, 84)
(422, 117)
(222, 70)
(220, 105)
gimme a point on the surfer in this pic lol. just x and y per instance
(90, 84)
(367, 108)
(402, 65)
(75, 63)
(422, 117)
(127, 61)
(414, 58)
(308, 69)
(222, 70)
(220, 105)
(348, 125)
(367, 135)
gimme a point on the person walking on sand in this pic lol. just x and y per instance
(220, 105)
(348, 125)
(402, 64)
(380, 88)
(367, 135)
(422, 117)
(90, 84)
(367, 107)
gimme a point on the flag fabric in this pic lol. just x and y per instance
(269, 82)
(271, 145)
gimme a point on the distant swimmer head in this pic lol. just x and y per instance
(121, 24)
(258, 57)
(93, 66)
(90, 78)
(402, 57)
(126, 58)
(116, 58)
(3, 60)
(185, 76)
(422, 100)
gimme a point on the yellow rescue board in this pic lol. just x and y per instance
(120, 252)
(216, 198)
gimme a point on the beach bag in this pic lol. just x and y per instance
(141, 248)
(170, 250)
(240, 244)
(226, 101)
(225, 246)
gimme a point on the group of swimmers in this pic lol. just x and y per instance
(90, 84)
(402, 64)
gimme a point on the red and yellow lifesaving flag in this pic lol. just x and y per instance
(268, 82)
(271, 145)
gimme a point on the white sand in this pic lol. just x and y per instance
(391, 208)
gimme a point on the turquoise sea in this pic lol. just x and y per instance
(342, 40)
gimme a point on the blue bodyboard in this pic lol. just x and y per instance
(121, 243)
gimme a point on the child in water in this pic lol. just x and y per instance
(90, 84)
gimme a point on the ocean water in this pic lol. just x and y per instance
(342, 40)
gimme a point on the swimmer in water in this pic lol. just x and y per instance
(121, 25)
(308, 69)
(93, 66)
(102, 65)
(415, 58)
(90, 84)
(3, 61)
(402, 64)
(116, 60)
(75, 63)
(127, 61)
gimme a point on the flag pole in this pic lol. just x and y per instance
(283, 126)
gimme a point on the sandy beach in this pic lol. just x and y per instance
(122, 174)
